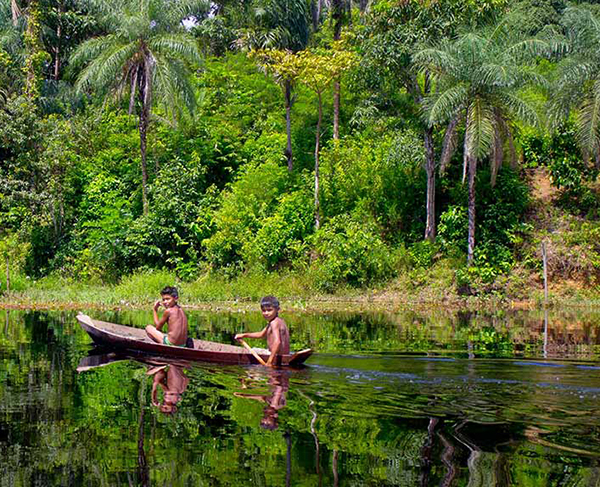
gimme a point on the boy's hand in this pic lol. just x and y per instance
(239, 336)
(157, 305)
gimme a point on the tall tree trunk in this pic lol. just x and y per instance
(146, 100)
(33, 47)
(336, 109)
(472, 166)
(316, 14)
(57, 47)
(288, 124)
(317, 146)
(430, 170)
(449, 144)
(143, 126)
(337, 15)
(7, 273)
(134, 83)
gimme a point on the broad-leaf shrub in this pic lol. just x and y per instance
(499, 227)
(452, 228)
(380, 176)
(105, 221)
(249, 200)
(281, 236)
(350, 252)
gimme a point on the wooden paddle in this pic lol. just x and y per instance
(251, 350)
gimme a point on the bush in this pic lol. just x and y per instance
(453, 227)
(249, 200)
(349, 252)
(380, 177)
(422, 253)
(281, 237)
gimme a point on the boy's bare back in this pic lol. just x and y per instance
(278, 327)
(177, 325)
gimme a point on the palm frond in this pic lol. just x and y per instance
(173, 87)
(106, 71)
(583, 28)
(92, 49)
(176, 46)
(588, 121)
(519, 107)
(495, 75)
(445, 105)
(577, 72)
(438, 61)
(480, 130)
(528, 50)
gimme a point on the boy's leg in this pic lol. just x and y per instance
(153, 333)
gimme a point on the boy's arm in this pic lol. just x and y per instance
(255, 334)
(159, 322)
(276, 343)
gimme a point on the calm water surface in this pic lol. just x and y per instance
(432, 398)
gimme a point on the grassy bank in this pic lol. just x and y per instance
(432, 287)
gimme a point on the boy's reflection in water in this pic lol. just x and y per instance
(173, 381)
(279, 384)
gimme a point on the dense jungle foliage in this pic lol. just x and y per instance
(336, 144)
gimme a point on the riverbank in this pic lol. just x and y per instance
(420, 288)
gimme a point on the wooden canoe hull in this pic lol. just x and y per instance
(135, 339)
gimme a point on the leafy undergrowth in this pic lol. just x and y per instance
(573, 255)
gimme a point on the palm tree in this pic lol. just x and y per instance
(146, 54)
(479, 79)
(577, 86)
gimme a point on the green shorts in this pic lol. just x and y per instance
(167, 342)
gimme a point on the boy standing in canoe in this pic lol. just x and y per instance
(276, 331)
(174, 317)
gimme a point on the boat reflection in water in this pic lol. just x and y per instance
(279, 384)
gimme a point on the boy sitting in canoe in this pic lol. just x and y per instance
(276, 331)
(174, 317)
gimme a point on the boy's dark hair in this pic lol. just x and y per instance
(269, 301)
(170, 291)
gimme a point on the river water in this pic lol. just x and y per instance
(403, 398)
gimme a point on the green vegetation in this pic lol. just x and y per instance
(409, 150)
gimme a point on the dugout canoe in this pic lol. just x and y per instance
(132, 339)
